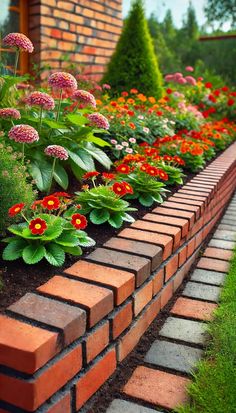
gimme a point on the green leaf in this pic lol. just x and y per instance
(54, 254)
(146, 200)
(33, 253)
(116, 220)
(73, 250)
(78, 160)
(99, 216)
(128, 218)
(98, 154)
(67, 239)
(86, 242)
(60, 176)
(98, 141)
(14, 250)
(77, 119)
(17, 229)
(41, 173)
(54, 125)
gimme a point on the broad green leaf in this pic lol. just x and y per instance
(146, 200)
(78, 160)
(54, 125)
(128, 218)
(14, 250)
(41, 173)
(77, 170)
(73, 250)
(33, 253)
(99, 155)
(54, 254)
(99, 216)
(116, 220)
(68, 239)
(60, 176)
(77, 119)
(17, 229)
(86, 242)
(97, 141)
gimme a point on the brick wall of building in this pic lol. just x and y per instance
(85, 30)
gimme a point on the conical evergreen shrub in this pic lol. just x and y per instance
(134, 63)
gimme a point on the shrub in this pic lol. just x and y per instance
(14, 185)
(134, 64)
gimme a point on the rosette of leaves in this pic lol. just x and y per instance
(175, 175)
(59, 238)
(147, 189)
(102, 205)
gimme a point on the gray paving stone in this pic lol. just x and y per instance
(231, 211)
(202, 291)
(185, 330)
(227, 227)
(174, 356)
(225, 245)
(231, 217)
(225, 235)
(122, 406)
(228, 222)
(208, 277)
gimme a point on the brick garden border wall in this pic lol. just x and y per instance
(86, 30)
(61, 343)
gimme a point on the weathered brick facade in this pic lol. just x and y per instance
(85, 30)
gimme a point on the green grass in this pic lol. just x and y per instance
(213, 389)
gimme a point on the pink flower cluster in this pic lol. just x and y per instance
(180, 79)
(20, 41)
(62, 80)
(57, 151)
(84, 97)
(40, 99)
(10, 113)
(99, 120)
(23, 134)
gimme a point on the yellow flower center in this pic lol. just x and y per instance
(17, 209)
(118, 189)
(78, 221)
(50, 202)
(38, 226)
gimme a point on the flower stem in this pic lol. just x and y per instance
(40, 118)
(51, 179)
(59, 106)
(16, 61)
(23, 153)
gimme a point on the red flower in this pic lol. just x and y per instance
(134, 91)
(79, 221)
(15, 209)
(230, 102)
(119, 188)
(179, 160)
(152, 170)
(167, 158)
(169, 91)
(225, 88)
(91, 174)
(62, 194)
(144, 167)
(128, 187)
(37, 226)
(132, 125)
(208, 85)
(51, 202)
(163, 175)
(108, 176)
(124, 94)
(124, 169)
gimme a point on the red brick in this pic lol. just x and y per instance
(213, 264)
(98, 300)
(183, 207)
(193, 192)
(132, 337)
(121, 320)
(140, 266)
(159, 228)
(158, 281)
(187, 201)
(94, 378)
(189, 196)
(29, 395)
(150, 251)
(179, 276)
(62, 406)
(175, 213)
(191, 247)
(157, 387)
(122, 282)
(56, 33)
(142, 297)
(166, 294)
(199, 310)
(162, 219)
(198, 239)
(97, 341)
(164, 241)
(24, 347)
(171, 267)
(182, 256)
(219, 253)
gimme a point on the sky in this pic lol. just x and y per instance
(178, 8)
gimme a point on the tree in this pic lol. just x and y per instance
(134, 63)
(221, 11)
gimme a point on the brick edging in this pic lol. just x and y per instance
(61, 343)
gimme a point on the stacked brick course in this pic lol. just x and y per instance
(61, 343)
(87, 31)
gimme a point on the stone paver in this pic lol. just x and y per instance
(185, 330)
(227, 226)
(157, 387)
(226, 245)
(213, 264)
(122, 406)
(231, 216)
(202, 291)
(218, 253)
(208, 277)
(225, 235)
(173, 356)
(200, 310)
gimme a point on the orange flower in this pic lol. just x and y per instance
(134, 91)
(132, 125)
(130, 101)
(152, 99)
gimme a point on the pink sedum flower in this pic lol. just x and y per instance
(62, 80)
(106, 86)
(191, 80)
(169, 78)
(189, 69)
(23, 134)
(182, 81)
(57, 151)
(10, 113)
(19, 41)
(97, 119)
(40, 99)
(85, 97)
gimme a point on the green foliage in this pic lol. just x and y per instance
(175, 175)
(214, 384)
(103, 205)
(221, 11)
(14, 185)
(146, 188)
(134, 64)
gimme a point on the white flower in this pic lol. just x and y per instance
(113, 141)
(146, 130)
(124, 144)
(132, 140)
(129, 150)
(119, 147)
